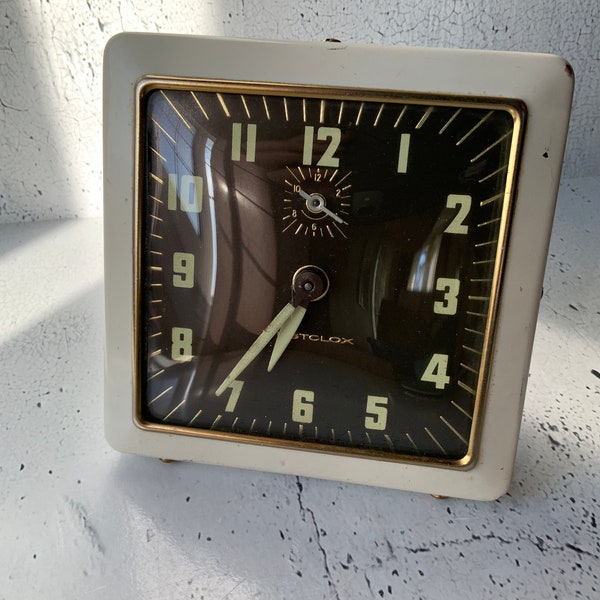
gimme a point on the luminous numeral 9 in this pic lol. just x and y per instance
(448, 305)
(190, 193)
(183, 270)
(181, 344)
(323, 133)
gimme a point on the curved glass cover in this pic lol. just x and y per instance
(401, 207)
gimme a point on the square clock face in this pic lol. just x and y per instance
(324, 259)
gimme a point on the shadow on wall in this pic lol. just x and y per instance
(35, 120)
(51, 96)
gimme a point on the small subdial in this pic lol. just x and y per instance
(316, 201)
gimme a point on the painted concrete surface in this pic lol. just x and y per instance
(79, 520)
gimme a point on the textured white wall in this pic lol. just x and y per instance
(51, 76)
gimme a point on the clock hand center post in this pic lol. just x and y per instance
(315, 203)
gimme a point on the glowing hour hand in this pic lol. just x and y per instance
(285, 335)
(261, 341)
(309, 284)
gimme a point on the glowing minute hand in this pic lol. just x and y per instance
(259, 343)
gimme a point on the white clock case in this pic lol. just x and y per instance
(544, 83)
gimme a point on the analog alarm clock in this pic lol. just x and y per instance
(326, 259)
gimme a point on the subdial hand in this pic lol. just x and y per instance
(316, 203)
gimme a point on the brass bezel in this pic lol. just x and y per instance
(518, 111)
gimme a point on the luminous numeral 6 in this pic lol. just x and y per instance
(302, 406)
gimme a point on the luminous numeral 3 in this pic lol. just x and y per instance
(448, 305)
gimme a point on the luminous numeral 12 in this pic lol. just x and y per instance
(328, 159)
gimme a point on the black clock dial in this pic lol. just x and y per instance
(400, 203)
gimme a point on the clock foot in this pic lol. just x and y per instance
(439, 497)
(167, 460)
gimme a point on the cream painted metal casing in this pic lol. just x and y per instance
(543, 83)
